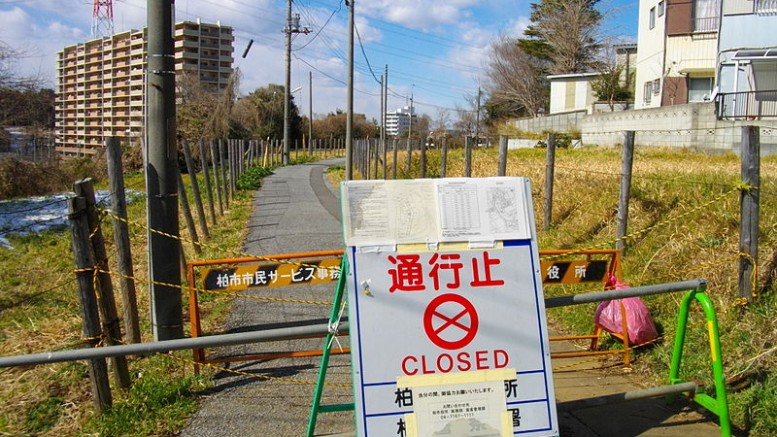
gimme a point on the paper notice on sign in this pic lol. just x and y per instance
(469, 406)
(428, 211)
(381, 213)
(483, 209)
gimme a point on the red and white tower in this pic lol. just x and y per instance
(102, 18)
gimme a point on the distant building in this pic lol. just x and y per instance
(398, 122)
(573, 92)
(100, 83)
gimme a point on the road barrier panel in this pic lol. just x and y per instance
(233, 275)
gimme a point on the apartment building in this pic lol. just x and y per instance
(677, 55)
(100, 83)
(398, 122)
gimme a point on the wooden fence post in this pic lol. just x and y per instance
(122, 241)
(409, 157)
(208, 188)
(106, 301)
(223, 170)
(395, 152)
(502, 168)
(749, 210)
(376, 149)
(625, 191)
(423, 158)
(187, 213)
(216, 178)
(467, 156)
(384, 149)
(444, 158)
(84, 260)
(550, 171)
(187, 154)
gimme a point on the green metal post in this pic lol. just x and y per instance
(718, 404)
(315, 406)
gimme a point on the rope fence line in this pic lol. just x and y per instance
(633, 235)
(95, 271)
(741, 186)
(710, 131)
(610, 243)
(204, 245)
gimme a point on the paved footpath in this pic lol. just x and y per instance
(296, 211)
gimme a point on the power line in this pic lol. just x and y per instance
(359, 37)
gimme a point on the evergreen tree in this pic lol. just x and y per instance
(563, 36)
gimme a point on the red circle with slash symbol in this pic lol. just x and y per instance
(451, 321)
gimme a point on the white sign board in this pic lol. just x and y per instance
(468, 299)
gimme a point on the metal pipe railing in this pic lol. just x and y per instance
(648, 290)
(653, 392)
(300, 332)
(279, 334)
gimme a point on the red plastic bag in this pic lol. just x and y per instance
(639, 323)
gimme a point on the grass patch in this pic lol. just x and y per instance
(39, 311)
(251, 179)
(155, 404)
(684, 224)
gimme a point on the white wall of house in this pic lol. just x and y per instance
(693, 57)
(571, 92)
(650, 56)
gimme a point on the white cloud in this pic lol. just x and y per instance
(418, 14)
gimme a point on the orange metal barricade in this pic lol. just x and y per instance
(240, 267)
(557, 266)
(602, 274)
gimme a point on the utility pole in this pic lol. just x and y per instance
(161, 177)
(291, 27)
(410, 120)
(349, 97)
(383, 122)
(310, 121)
(477, 121)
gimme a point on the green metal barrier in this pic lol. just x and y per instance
(719, 403)
(334, 317)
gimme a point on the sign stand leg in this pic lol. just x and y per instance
(334, 316)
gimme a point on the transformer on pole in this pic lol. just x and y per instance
(102, 19)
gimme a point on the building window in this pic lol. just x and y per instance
(766, 7)
(657, 86)
(661, 8)
(699, 89)
(652, 17)
(648, 92)
(705, 15)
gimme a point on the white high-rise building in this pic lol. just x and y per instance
(398, 122)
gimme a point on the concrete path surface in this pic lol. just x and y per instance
(296, 211)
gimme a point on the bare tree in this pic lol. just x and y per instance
(515, 77)
(440, 125)
(204, 112)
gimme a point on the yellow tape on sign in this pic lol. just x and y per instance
(271, 275)
(573, 272)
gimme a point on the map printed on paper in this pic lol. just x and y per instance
(389, 212)
(435, 210)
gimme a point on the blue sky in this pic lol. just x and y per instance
(435, 49)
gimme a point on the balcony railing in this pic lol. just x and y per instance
(751, 105)
(705, 24)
